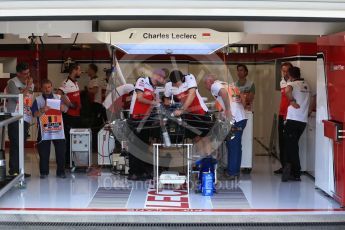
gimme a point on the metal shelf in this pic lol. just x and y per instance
(10, 120)
(16, 116)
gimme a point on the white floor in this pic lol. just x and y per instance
(261, 191)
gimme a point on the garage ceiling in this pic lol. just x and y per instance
(185, 8)
(263, 22)
(256, 32)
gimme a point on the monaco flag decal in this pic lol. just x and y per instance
(206, 35)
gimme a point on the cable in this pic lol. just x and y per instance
(110, 153)
(36, 148)
(75, 39)
(102, 154)
(103, 149)
(41, 40)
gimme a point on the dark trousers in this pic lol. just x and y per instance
(69, 122)
(281, 126)
(235, 149)
(293, 131)
(99, 117)
(140, 160)
(44, 152)
(13, 136)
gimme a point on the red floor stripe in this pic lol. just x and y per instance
(168, 210)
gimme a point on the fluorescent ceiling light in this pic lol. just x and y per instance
(205, 48)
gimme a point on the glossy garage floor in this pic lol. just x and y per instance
(261, 191)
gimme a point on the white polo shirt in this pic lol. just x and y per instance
(301, 93)
(237, 109)
(197, 106)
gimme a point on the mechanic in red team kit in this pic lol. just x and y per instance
(70, 92)
(143, 101)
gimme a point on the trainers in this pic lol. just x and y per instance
(43, 176)
(145, 176)
(286, 173)
(231, 177)
(132, 177)
(278, 171)
(13, 174)
(62, 175)
(26, 175)
(295, 178)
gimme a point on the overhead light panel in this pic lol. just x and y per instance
(169, 48)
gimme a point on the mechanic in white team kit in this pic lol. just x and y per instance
(228, 100)
(298, 93)
(183, 89)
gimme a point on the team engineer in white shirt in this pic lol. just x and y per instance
(298, 93)
(228, 97)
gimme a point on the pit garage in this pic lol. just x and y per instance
(99, 186)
